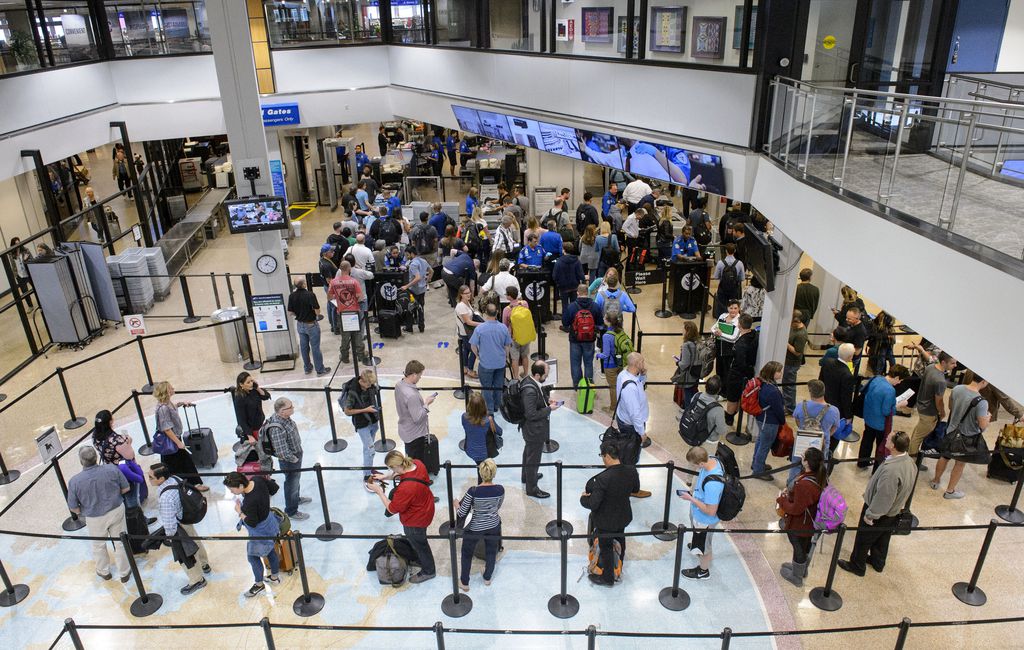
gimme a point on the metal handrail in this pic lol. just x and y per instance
(860, 92)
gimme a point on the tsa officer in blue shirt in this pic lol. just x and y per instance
(451, 143)
(464, 153)
(609, 199)
(685, 245)
(362, 160)
(531, 254)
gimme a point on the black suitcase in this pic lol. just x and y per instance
(135, 524)
(199, 441)
(390, 324)
(431, 455)
(1000, 470)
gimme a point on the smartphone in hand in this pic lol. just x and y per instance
(434, 394)
(681, 492)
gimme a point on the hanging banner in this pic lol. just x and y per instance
(175, 22)
(76, 37)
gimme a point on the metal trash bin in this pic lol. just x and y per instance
(232, 342)
(297, 229)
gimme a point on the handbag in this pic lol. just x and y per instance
(968, 449)
(783, 445)
(163, 445)
(844, 429)
(934, 439)
(494, 440)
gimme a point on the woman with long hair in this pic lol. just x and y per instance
(255, 515)
(772, 417)
(688, 364)
(798, 505)
(476, 422)
(112, 447)
(588, 249)
(608, 251)
(168, 423)
(248, 397)
(464, 325)
(881, 339)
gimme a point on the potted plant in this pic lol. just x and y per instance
(23, 49)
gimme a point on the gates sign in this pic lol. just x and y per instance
(280, 114)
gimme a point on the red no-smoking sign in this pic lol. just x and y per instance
(135, 324)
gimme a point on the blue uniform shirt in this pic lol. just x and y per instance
(449, 144)
(362, 160)
(531, 256)
(684, 247)
(551, 242)
(607, 202)
(470, 204)
(394, 203)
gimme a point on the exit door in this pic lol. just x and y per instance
(978, 35)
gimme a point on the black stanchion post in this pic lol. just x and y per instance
(333, 445)
(563, 605)
(665, 530)
(147, 388)
(146, 603)
(640, 341)
(252, 363)
(737, 437)
(74, 421)
(231, 289)
(268, 633)
(970, 593)
(329, 529)
(187, 296)
(632, 288)
(383, 445)
(901, 640)
(726, 638)
(1008, 513)
(555, 527)
(448, 525)
(461, 392)
(7, 475)
(439, 635)
(216, 293)
(663, 312)
(674, 598)
(12, 594)
(72, 630)
(455, 604)
(374, 360)
(826, 598)
(591, 637)
(632, 327)
(73, 522)
(146, 449)
(309, 603)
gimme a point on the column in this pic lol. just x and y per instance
(824, 320)
(778, 305)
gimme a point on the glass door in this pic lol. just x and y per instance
(829, 41)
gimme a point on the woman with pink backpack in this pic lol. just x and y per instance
(799, 506)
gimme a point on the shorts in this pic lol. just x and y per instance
(517, 351)
(734, 388)
(700, 540)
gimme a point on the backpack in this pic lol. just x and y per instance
(665, 231)
(520, 321)
(389, 230)
(193, 503)
(705, 358)
(609, 257)
(749, 401)
(733, 495)
(264, 439)
(594, 556)
(424, 239)
(512, 402)
(583, 326)
(474, 237)
(623, 346)
(693, 425)
(831, 510)
(730, 280)
(391, 567)
(811, 425)
(727, 458)
(612, 303)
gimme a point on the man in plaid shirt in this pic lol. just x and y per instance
(170, 510)
(284, 436)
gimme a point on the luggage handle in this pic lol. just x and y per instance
(188, 422)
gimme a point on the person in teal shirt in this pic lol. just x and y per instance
(704, 500)
(879, 406)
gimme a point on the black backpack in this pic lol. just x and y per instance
(390, 230)
(424, 239)
(693, 425)
(193, 503)
(730, 280)
(609, 257)
(733, 496)
(512, 408)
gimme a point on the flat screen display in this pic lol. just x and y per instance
(703, 171)
(599, 148)
(256, 215)
(494, 126)
(525, 132)
(467, 118)
(645, 159)
(559, 140)
(758, 257)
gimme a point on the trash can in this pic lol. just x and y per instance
(232, 342)
(297, 229)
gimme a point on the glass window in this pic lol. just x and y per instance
(408, 21)
(592, 28)
(514, 25)
(709, 33)
(17, 49)
(297, 23)
(153, 28)
(457, 22)
(70, 32)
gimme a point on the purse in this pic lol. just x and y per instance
(494, 440)
(967, 449)
(163, 445)
(783, 445)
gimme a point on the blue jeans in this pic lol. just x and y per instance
(468, 356)
(491, 545)
(332, 314)
(581, 361)
(256, 562)
(765, 440)
(492, 378)
(789, 392)
(291, 486)
(309, 337)
(367, 435)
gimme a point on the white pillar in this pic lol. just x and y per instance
(778, 305)
(824, 320)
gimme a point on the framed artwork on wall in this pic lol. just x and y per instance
(622, 33)
(708, 37)
(668, 29)
(597, 24)
(737, 28)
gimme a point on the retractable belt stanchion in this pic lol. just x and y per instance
(326, 532)
(146, 449)
(826, 598)
(461, 392)
(448, 525)
(665, 530)
(455, 604)
(591, 637)
(901, 639)
(439, 635)
(12, 593)
(374, 360)
(663, 312)
(673, 597)
(563, 605)
(555, 527)
(74, 421)
(146, 603)
(187, 297)
(268, 634)
(309, 603)
(970, 593)
(147, 388)
(334, 445)
(7, 475)
(384, 445)
(737, 437)
(726, 638)
(73, 522)
(1008, 513)
(72, 630)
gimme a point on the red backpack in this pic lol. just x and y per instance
(750, 400)
(583, 327)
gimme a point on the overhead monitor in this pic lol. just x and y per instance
(644, 159)
(559, 139)
(759, 257)
(599, 148)
(525, 132)
(703, 171)
(494, 126)
(467, 118)
(256, 214)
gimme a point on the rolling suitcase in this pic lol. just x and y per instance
(390, 324)
(431, 455)
(285, 550)
(199, 441)
(584, 396)
(1003, 467)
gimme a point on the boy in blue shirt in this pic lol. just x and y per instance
(704, 500)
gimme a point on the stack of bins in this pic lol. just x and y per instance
(157, 269)
(135, 271)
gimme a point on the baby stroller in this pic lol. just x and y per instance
(410, 309)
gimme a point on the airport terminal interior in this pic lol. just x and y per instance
(758, 207)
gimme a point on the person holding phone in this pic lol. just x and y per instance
(361, 399)
(536, 426)
(413, 415)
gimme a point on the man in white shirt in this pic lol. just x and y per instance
(634, 192)
(360, 252)
(632, 411)
(502, 281)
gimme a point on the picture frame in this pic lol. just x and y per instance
(562, 30)
(737, 29)
(622, 32)
(708, 39)
(596, 24)
(668, 29)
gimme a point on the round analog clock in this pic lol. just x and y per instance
(266, 264)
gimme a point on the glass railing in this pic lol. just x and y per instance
(954, 162)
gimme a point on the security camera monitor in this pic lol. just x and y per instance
(702, 171)
(599, 148)
(494, 126)
(467, 118)
(645, 159)
(759, 257)
(256, 215)
(525, 132)
(560, 140)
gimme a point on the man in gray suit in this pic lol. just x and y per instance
(536, 425)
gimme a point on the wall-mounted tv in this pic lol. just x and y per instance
(703, 171)
(525, 132)
(645, 159)
(494, 126)
(560, 140)
(467, 118)
(599, 148)
(759, 257)
(256, 214)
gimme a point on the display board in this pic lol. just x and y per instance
(256, 215)
(543, 200)
(269, 314)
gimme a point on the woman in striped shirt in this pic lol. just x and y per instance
(484, 500)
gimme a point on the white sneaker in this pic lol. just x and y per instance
(299, 516)
(956, 494)
(934, 485)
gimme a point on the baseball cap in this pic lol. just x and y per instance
(326, 248)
